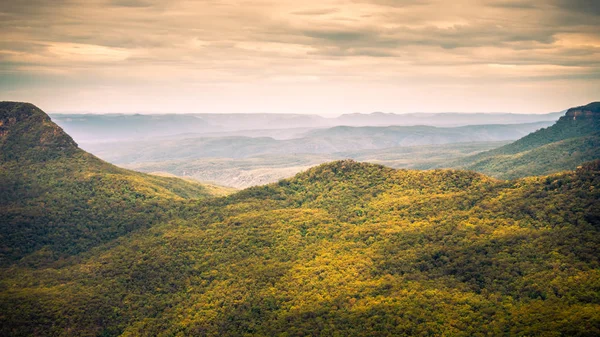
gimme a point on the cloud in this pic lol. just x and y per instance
(591, 7)
(519, 4)
(132, 3)
(310, 12)
(243, 45)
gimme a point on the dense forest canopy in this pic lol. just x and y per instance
(57, 200)
(345, 248)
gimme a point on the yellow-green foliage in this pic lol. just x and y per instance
(342, 249)
(68, 204)
(58, 201)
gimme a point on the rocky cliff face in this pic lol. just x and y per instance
(591, 110)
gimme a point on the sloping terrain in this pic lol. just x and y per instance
(573, 140)
(57, 200)
(342, 249)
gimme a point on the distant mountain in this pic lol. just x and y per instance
(90, 128)
(258, 121)
(322, 141)
(572, 140)
(56, 200)
(117, 127)
(345, 138)
(270, 168)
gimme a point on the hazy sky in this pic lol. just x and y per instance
(306, 56)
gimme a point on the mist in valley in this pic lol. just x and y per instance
(243, 150)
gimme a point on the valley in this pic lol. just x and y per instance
(330, 168)
(342, 248)
(260, 156)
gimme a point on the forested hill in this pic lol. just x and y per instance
(56, 200)
(28, 134)
(571, 141)
(344, 249)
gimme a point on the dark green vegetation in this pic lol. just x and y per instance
(573, 140)
(57, 200)
(343, 249)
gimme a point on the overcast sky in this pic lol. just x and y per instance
(310, 56)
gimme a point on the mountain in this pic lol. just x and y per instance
(118, 127)
(446, 119)
(92, 128)
(323, 141)
(27, 134)
(56, 200)
(345, 248)
(246, 161)
(572, 140)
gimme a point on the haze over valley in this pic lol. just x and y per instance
(256, 149)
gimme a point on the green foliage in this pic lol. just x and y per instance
(26, 132)
(57, 201)
(551, 158)
(573, 140)
(342, 249)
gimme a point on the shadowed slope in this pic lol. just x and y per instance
(573, 140)
(345, 248)
(57, 200)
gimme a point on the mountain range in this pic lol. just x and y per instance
(272, 159)
(42, 169)
(344, 248)
(91, 128)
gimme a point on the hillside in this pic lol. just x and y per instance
(56, 200)
(342, 249)
(571, 141)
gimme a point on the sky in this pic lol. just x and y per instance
(312, 56)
